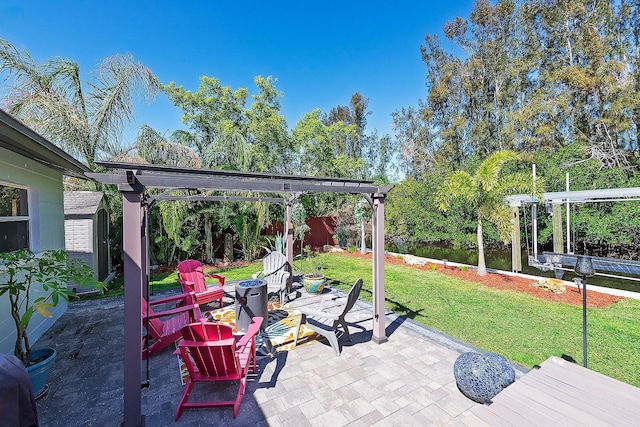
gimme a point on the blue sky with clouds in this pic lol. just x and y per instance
(320, 52)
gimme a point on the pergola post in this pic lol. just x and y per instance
(516, 250)
(379, 325)
(558, 240)
(134, 252)
(289, 234)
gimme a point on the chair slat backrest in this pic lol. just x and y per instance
(354, 293)
(273, 261)
(191, 271)
(274, 267)
(153, 326)
(217, 361)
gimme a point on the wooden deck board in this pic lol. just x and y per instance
(539, 405)
(561, 393)
(602, 382)
(590, 398)
(473, 420)
(535, 409)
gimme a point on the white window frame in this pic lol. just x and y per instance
(20, 218)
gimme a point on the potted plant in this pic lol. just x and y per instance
(314, 282)
(35, 284)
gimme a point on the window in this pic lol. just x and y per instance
(14, 218)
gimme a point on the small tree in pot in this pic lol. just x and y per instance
(21, 271)
(314, 282)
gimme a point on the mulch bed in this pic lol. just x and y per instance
(502, 281)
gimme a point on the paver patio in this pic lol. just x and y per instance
(405, 381)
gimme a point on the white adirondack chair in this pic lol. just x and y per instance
(275, 272)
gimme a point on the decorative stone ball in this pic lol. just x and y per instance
(478, 377)
(508, 373)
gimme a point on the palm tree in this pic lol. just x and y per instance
(49, 97)
(485, 192)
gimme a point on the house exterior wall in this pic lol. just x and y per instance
(46, 231)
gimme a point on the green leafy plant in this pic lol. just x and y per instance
(341, 235)
(432, 267)
(276, 243)
(463, 268)
(37, 283)
(299, 216)
(314, 262)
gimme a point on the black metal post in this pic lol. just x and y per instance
(584, 320)
(584, 267)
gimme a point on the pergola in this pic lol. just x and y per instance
(133, 180)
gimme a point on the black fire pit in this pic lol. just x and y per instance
(251, 301)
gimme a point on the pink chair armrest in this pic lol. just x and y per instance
(187, 285)
(252, 331)
(216, 276)
(177, 297)
(195, 308)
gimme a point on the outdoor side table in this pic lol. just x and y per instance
(251, 301)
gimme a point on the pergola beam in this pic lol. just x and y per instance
(200, 198)
(195, 182)
(579, 196)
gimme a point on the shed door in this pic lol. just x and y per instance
(103, 244)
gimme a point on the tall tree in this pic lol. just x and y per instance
(216, 116)
(379, 156)
(443, 110)
(585, 67)
(354, 114)
(486, 191)
(156, 149)
(416, 142)
(271, 144)
(322, 147)
(50, 97)
(227, 135)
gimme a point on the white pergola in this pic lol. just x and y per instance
(133, 181)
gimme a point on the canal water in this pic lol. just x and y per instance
(501, 260)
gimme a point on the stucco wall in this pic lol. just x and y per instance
(46, 231)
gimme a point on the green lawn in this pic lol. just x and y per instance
(524, 329)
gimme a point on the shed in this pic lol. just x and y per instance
(86, 230)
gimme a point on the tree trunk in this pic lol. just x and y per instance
(228, 247)
(208, 244)
(482, 268)
(363, 240)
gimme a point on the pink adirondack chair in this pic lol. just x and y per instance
(167, 331)
(217, 357)
(192, 279)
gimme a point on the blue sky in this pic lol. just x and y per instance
(320, 52)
